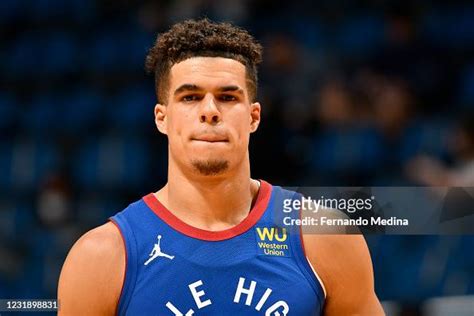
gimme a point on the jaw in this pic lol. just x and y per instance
(210, 167)
(210, 159)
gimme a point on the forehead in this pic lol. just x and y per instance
(208, 72)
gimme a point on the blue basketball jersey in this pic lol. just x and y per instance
(257, 267)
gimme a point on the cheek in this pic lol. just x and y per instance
(241, 125)
(177, 122)
(244, 123)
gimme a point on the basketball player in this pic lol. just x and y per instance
(206, 243)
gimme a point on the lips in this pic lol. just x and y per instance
(210, 138)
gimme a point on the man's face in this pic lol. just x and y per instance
(209, 117)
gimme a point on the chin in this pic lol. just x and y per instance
(210, 167)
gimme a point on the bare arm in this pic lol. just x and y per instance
(344, 265)
(92, 276)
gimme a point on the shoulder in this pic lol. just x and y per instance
(105, 237)
(92, 275)
(333, 254)
(344, 265)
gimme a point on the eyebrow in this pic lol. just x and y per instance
(231, 89)
(187, 87)
(193, 87)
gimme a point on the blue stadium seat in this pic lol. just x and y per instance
(4, 288)
(48, 249)
(21, 58)
(73, 111)
(453, 271)
(45, 9)
(139, 44)
(5, 162)
(118, 48)
(398, 262)
(16, 221)
(42, 116)
(111, 162)
(115, 49)
(94, 209)
(8, 111)
(466, 93)
(310, 33)
(10, 10)
(425, 136)
(79, 11)
(360, 35)
(27, 162)
(465, 249)
(80, 110)
(31, 282)
(133, 108)
(82, 11)
(451, 28)
(41, 53)
(102, 51)
(58, 54)
(351, 149)
(7, 220)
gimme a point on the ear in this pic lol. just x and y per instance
(255, 110)
(160, 118)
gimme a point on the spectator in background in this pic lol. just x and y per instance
(393, 107)
(54, 207)
(335, 108)
(431, 171)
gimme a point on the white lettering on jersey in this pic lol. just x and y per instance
(241, 290)
(274, 307)
(196, 295)
(176, 311)
(250, 292)
(279, 308)
(263, 299)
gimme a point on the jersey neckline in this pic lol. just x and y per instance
(261, 203)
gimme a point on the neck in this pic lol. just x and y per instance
(209, 202)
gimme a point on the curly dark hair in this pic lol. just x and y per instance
(206, 39)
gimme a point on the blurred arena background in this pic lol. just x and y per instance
(353, 93)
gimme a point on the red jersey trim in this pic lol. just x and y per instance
(255, 214)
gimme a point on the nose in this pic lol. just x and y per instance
(209, 113)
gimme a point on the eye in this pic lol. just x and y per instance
(190, 98)
(227, 98)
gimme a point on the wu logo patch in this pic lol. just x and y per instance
(272, 241)
(156, 252)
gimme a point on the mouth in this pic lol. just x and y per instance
(210, 141)
(210, 138)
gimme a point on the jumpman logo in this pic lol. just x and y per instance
(156, 252)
